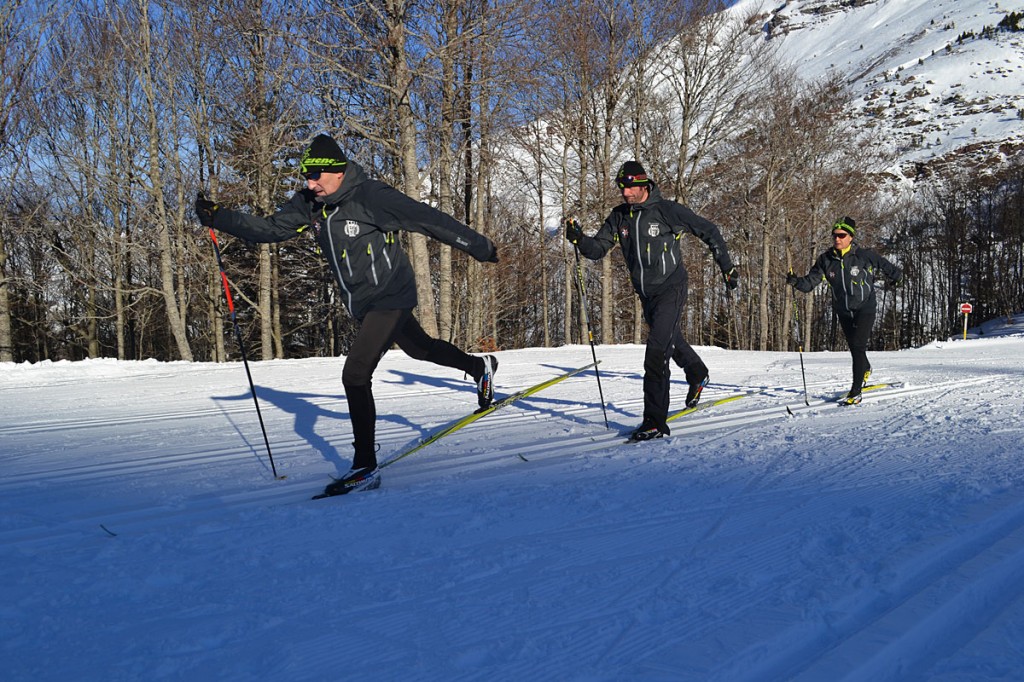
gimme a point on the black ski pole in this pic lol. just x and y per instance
(590, 334)
(241, 345)
(799, 345)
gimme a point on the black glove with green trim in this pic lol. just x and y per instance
(206, 210)
(573, 231)
(732, 278)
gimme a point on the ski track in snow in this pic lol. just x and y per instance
(753, 544)
(502, 425)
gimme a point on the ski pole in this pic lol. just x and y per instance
(799, 345)
(590, 334)
(241, 345)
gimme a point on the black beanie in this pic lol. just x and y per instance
(323, 154)
(631, 174)
(846, 224)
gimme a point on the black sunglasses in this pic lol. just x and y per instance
(315, 175)
(840, 235)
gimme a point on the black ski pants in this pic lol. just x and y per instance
(663, 313)
(378, 330)
(857, 329)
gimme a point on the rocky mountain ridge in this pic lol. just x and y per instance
(943, 80)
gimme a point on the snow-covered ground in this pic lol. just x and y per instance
(143, 536)
(933, 94)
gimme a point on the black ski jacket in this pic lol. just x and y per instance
(356, 230)
(851, 276)
(649, 234)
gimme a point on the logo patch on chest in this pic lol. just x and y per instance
(654, 230)
(351, 228)
(855, 271)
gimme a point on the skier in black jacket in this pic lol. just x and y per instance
(851, 271)
(355, 221)
(649, 227)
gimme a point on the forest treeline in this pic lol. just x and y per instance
(509, 115)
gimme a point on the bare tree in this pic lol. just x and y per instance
(716, 73)
(87, 137)
(796, 160)
(19, 52)
(257, 116)
(605, 58)
(142, 39)
(465, 43)
(516, 123)
(369, 86)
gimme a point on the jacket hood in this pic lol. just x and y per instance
(653, 196)
(354, 176)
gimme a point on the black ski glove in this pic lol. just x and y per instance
(573, 231)
(732, 278)
(493, 258)
(206, 210)
(791, 279)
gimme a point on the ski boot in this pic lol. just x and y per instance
(693, 394)
(851, 398)
(356, 480)
(647, 430)
(485, 383)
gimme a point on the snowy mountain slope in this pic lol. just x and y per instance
(945, 90)
(142, 535)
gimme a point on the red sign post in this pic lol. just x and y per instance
(966, 309)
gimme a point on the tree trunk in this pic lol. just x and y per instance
(445, 283)
(763, 291)
(275, 287)
(213, 312)
(407, 139)
(162, 217)
(477, 286)
(543, 241)
(91, 323)
(566, 276)
(266, 304)
(6, 338)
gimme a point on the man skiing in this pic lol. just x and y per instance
(649, 227)
(355, 221)
(851, 271)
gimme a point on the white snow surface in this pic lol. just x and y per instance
(143, 536)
